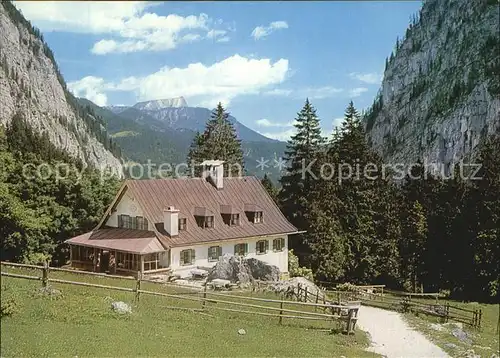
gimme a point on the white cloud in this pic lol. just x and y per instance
(264, 122)
(218, 35)
(307, 92)
(200, 84)
(90, 87)
(279, 92)
(129, 26)
(370, 78)
(263, 31)
(356, 92)
(284, 135)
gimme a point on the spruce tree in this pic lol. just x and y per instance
(270, 188)
(218, 142)
(297, 182)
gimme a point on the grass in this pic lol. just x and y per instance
(80, 322)
(483, 341)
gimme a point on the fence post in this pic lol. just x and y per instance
(281, 311)
(317, 298)
(480, 316)
(324, 302)
(138, 286)
(298, 292)
(447, 312)
(338, 297)
(45, 274)
(203, 303)
(349, 320)
(305, 295)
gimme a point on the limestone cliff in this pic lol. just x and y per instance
(440, 93)
(32, 88)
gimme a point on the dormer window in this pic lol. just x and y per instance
(204, 217)
(205, 222)
(182, 224)
(254, 213)
(230, 215)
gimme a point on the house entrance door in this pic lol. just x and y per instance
(104, 264)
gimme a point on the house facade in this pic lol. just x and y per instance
(177, 225)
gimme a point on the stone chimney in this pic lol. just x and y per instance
(213, 170)
(171, 220)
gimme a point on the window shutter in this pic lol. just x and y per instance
(257, 247)
(145, 224)
(120, 220)
(219, 251)
(274, 244)
(134, 222)
(193, 257)
(236, 249)
(182, 257)
(267, 245)
(246, 248)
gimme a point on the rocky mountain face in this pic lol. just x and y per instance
(176, 102)
(174, 113)
(32, 89)
(440, 93)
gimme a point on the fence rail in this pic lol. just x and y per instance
(336, 312)
(406, 302)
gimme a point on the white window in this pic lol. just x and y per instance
(257, 218)
(241, 249)
(214, 252)
(187, 257)
(261, 247)
(205, 221)
(182, 224)
(279, 244)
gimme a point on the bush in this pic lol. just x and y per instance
(347, 287)
(8, 307)
(295, 270)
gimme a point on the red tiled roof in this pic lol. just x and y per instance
(127, 240)
(189, 193)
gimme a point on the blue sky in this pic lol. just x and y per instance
(260, 59)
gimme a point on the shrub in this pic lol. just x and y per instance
(8, 307)
(295, 270)
(347, 287)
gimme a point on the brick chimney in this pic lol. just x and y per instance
(213, 170)
(171, 220)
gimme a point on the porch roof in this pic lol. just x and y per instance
(127, 240)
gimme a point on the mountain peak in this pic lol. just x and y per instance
(175, 102)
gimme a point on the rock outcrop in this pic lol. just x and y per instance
(32, 88)
(243, 270)
(440, 92)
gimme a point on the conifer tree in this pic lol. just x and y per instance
(270, 188)
(302, 150)
(218, 142)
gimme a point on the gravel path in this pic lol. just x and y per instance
(392, 337)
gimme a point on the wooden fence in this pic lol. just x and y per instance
(411, 302)
(340, 313)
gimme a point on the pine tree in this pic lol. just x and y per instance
(414, 237)
(218, 142)
(270, 188)
(301, 152)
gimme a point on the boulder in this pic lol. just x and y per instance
(243, 270)
(121, 307)
(289, 289)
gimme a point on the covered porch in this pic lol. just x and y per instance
(119, 251)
